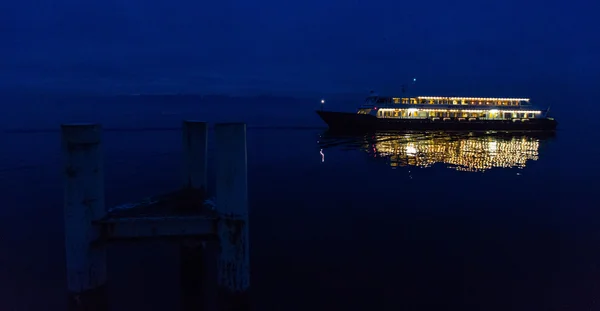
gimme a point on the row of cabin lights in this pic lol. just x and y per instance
(461, 101)
(461, 110)
(425, 113)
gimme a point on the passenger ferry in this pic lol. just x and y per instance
(441, 113)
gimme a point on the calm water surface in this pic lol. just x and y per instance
(412, 221)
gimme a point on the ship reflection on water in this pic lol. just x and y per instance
(471, 152)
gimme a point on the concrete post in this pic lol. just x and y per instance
(84, 203)
(195, 146)
(232, 204)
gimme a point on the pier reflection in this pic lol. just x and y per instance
(472, 152)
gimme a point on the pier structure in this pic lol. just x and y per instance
(205, 229)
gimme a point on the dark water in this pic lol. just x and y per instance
(416, 221)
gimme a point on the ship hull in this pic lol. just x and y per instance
(346, 121)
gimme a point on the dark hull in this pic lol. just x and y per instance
(345, 121)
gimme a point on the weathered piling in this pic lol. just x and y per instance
(191, 251)
(195, 149)
(232, 206)
(84, 204)
(185, 214)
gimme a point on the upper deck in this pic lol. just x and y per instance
(448, 101)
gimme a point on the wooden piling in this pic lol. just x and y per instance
(232, 205)
(195, 147)
(84, 204)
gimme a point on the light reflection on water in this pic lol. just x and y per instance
(461, 151)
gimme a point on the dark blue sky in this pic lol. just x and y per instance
(504, 47)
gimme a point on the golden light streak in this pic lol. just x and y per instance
(473, 154)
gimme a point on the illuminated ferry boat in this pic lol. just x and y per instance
(441, 113)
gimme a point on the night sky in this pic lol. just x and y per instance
(479, 48)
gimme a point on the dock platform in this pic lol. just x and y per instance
(188, 214)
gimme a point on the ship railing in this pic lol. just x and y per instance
(412, 118)
(455, 106)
